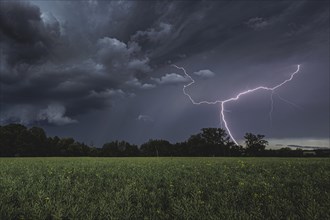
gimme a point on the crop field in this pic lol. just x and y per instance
(164, 188)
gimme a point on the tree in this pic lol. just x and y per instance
(63, 146)
(119, 149)
(156, 148)
(110, 149)
(211, 142)
(196, 146)
(38, 133)
(38, 142)
(14, 140)
(236, 150)
(255, 143)
(131, 151)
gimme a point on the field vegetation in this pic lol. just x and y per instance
(164, 188)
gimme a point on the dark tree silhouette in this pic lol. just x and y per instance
(119, 149)
(14, 140)
(157, 148)
(255, 144)
(236, 150)
(131, 151)
(211, 142)
(18, 140)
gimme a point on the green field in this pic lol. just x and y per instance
(164, 188)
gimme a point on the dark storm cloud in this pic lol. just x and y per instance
(64, 59)
(46, 64)
(25, 38)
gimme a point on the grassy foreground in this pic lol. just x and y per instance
(164, 188)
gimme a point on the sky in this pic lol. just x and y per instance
(100, 71)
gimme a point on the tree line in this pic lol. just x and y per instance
(18, 140)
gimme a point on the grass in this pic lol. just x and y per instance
(164, 188)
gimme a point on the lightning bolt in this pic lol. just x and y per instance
(232, 99)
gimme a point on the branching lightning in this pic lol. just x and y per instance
(235, 98)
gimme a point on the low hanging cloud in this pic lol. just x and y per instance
(205, 73)
(171, 78)
(18, 114)
(135, 83)
(257, 23)
(28, 114)
(307, 147)
(145, 118)
(55, 114)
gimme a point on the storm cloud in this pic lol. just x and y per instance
(64, 62)
(35, 75)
